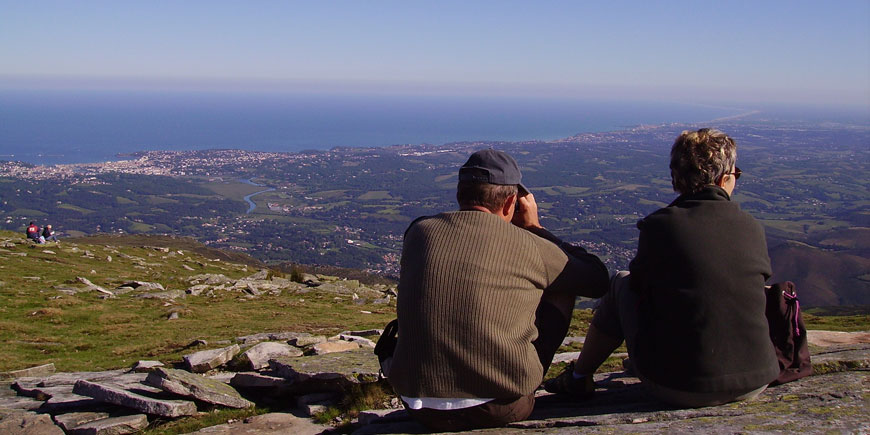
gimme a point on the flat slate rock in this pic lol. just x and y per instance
(20, 403)
(258, 380)
(73, 419)
(832, 402)
(271, 336)
(334, 347)
(258, 356)
(43, 370)
(268, 424)
(206, 360)
(71, 377)
(69, 402)
(138, 402)
(112, 426)
(27, 423)
(344, 368)
(197, 387)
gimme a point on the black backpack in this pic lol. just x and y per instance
(787, 332)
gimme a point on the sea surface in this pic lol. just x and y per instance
(54, 127)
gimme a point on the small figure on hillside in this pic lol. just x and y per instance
(33, 233)
(49, 234)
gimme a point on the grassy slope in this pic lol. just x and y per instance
(39, 325)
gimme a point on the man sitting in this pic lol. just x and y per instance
(33, 233)
(483, 304)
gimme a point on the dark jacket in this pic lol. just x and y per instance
(700, 270)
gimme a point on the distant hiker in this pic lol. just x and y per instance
(692, 308)
(483, 304)
(48, 234)
(33, 233)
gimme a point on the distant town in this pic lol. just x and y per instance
(349, 207)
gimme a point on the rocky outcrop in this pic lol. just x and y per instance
(122, 425)
(118, 396)
(258, 357)
(196, 387)
(30, 423)
(118, 401)
(206, 360)
(42, 370)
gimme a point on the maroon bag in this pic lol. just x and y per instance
(787, 332)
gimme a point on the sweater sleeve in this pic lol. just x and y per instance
(570, 268)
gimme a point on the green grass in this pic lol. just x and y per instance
(39, 325)
(233, 190)
(75, 208)
(194, 423)
(375, 195)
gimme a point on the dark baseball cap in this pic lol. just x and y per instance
(493, 167)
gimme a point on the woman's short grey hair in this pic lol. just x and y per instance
(700, 158)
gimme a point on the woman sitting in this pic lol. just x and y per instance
(691, 311)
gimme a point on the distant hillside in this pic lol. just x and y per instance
(826, 277)
(168, 241)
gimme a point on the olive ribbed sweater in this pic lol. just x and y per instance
(470, 284)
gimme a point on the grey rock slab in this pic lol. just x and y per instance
(364, 333)
(30, 389)
(92, 286)
(209, 278)
(27, 423)
(345, 368)
(271, 336)
(206, 360)
(307, 341)
(20, 403)
(313, 409)
(147, 405)
(224, 377)
(842, 358)
(145, 366)
(316, 398)
(70, 378)
(69, 402)
(382, 416)
(42, 370)
(258, 380)
(197, 387)
(362, 341)
(334, 347)
(169, 294)
(258, 356)
(829, 338)
(197, 290)
(143, 286)
(268, 424)
(832, 402)
(73, 419)
(112, 426)
(565, 357)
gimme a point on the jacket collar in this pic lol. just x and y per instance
(707, 193)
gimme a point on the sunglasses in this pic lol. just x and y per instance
(737, 173)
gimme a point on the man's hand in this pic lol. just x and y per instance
(526, 212)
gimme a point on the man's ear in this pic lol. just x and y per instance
(506, 208)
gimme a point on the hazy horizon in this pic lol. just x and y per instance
(781, 52)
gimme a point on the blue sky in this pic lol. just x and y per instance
(724, 51)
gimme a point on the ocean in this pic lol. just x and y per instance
(55, 127)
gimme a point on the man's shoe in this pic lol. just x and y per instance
(567, 384)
